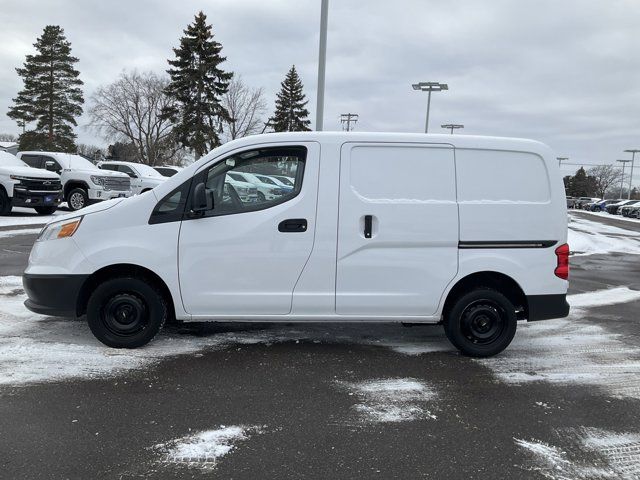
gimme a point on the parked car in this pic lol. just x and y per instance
(23, 186)
(581, 202)
(271, 180)
(601, 205)
(247, 192)
(284, 179)
(571, 201)
(167, 170)
(82, 182)
(266, 191)
(614, 208)
(634, 211)
(342, 245)
(625, 210)
(143, 177)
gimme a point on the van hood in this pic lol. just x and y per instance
(98, 172)
(29, 172)
(95, 208)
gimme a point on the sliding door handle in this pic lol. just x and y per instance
(293, 225)
(368, 220)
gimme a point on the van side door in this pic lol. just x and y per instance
(397, 228)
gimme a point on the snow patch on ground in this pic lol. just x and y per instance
(572, 351)
(24, 231)
(587, 237)
(391, 400)
(591, 453)
(204, 449)
(26, 216)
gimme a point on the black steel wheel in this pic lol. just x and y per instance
(481, 323)
(126, 312)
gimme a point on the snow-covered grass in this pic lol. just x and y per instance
(613, 217)
(573, 351)
(595, 453)
(26, 216)
(391, 400)
(22, 231)
(587, 237)
(204, 449)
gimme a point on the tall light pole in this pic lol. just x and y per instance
(560, 160)
(429, 87)
(322, 60)
(633, 160)
(452, 126)
(624, 164)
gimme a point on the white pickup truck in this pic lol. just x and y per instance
(82, 182)
(23, 186)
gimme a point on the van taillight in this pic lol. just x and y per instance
(562, 270)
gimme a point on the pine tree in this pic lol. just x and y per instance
(197, 85)
(51, 96)
(291, 114)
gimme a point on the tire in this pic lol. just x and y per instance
(5, 203)
(261, 197)
(77, 199)
(126, 312)
(45, 210)
(481, 323)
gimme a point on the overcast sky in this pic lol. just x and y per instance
(563, 72)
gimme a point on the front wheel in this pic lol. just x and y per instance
(126, 312)
(481, 323)
(45, 210)
(77, 199)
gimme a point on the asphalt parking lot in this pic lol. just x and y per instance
(313, 401)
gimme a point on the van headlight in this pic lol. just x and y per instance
(63, 229)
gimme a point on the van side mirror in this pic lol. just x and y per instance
(202, 199)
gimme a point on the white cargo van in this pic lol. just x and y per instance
(465, 231)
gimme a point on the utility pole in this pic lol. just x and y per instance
(322, 60)
(560, 160)
(452, 126)
(633, 161)
(624, 164)
(346, 119)
(429, 87)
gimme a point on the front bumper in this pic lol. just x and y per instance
(55, 295)
(546, 307)
(102, 194)
(29, 198)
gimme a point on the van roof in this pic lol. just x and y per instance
(457, 141)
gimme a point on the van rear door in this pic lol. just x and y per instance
(397, 228)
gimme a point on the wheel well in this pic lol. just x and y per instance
(118, 270)
(71, 185)
(498, 281)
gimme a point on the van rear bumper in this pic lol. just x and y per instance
(55, 295)
(546, 307)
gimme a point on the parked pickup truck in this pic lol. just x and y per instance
(23, 186)
(143, 177)
(82, 182)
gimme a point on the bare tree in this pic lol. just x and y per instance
(129, 110)
(8, 137)
(93, 152)
(605, 176)
(246, 107)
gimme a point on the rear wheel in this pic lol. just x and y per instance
(5, 203)
(45, 210)
(481, 323)
(126, 312)
(77, 199)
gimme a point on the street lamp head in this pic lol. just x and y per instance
(430, 86)
(632, 150)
